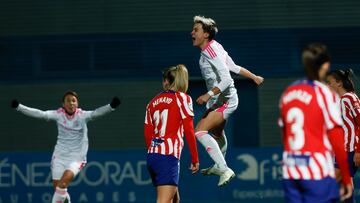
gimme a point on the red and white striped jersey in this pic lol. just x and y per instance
(350, 109)
(308, 110)
(164, 119)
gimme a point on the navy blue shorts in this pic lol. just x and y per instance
(352, 167)
(163, 169)
(311, 191)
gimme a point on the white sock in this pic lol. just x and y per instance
(222, 142)
(68, 197)
(59, 195)
(212, 148)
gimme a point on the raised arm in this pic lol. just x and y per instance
(243, 71)
(101, 111)
(257, 79)
(32, 112)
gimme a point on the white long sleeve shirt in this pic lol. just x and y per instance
(215, 65)
(72, 141)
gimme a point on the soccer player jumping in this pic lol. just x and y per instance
(221, 99)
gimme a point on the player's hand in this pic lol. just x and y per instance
(258, 80)
(345, 191)
(357, 159)
(14, 103)
(194, 167)
(203, 98)
(115, 102)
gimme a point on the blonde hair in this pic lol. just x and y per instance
(178, 78)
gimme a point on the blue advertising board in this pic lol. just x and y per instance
(121, 176)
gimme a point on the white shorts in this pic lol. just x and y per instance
(226, 108)
(59, 166)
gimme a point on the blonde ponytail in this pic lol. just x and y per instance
(177, 77)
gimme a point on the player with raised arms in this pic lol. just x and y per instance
(221, 99)
(69, 156)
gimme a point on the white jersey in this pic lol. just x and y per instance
(215, 65)
(72, 141)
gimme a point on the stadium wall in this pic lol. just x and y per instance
(121, 176)
(123, 128)
(91, 16)
(269, 52)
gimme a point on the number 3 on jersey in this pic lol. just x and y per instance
(295, 117)
(160, 116)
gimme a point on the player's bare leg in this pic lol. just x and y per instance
(220, 137)
(214, 120)
(176, 197)
(61, 195)
(55, 183)
(166, 193)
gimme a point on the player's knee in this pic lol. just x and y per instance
(55, 184)
(198, 128)
(63, 184)
(201, 126)
(200, 134)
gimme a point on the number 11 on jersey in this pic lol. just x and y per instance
(160, 116)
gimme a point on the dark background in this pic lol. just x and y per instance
(105, 48)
